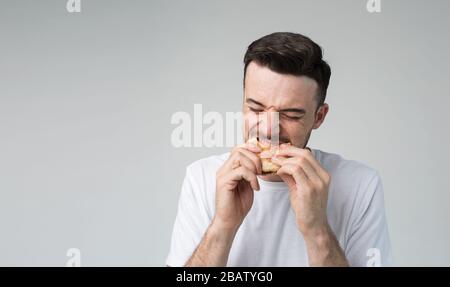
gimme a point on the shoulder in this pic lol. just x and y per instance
(201, 175)
(353, 184)
(342, 169)
(354, 189)
(198, 190)
(207, 165)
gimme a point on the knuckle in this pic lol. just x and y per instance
(236, 150)
(311, 188)
(327, 180)
(252, 168)
(320, 185)
(302, 160)
(246, 170)
(303, 152)
(237, 157)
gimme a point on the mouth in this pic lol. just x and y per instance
(270, 143)
(268, 150)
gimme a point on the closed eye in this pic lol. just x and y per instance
(293, 118)
(255, 110)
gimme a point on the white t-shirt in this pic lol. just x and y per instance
(269, 235)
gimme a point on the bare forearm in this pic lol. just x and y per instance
(214, 248)
(324, 250)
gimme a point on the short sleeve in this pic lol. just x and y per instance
(191, 221)
(368, 243)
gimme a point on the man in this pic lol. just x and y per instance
(317, 210)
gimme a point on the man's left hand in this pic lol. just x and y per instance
(308, 184)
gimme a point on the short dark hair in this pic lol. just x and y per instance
(291, 53)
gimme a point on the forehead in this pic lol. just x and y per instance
(278, 90)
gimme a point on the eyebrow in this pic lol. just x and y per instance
(252, 101)
(289, 110)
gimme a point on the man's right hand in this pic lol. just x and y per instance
(235, 182)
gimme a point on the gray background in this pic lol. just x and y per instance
(86, 100)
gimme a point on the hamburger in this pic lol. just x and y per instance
(268, 150)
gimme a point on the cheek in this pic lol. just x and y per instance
(296, 132)
(250, 121)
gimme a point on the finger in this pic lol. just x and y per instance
(242, 152)
(242, 160)
(243, 173)
(295, 171)
(292, 151)
(303, 163)
(254, 158)
(287, 178)
(238, 153)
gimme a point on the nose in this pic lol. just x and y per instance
(269, 125)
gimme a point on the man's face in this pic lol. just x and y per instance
(293, 97)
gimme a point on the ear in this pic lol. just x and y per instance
(320, 115)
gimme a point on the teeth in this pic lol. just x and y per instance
(266, 144)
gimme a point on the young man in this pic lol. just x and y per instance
(318, 209)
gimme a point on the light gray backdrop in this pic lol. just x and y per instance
(86, 101)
